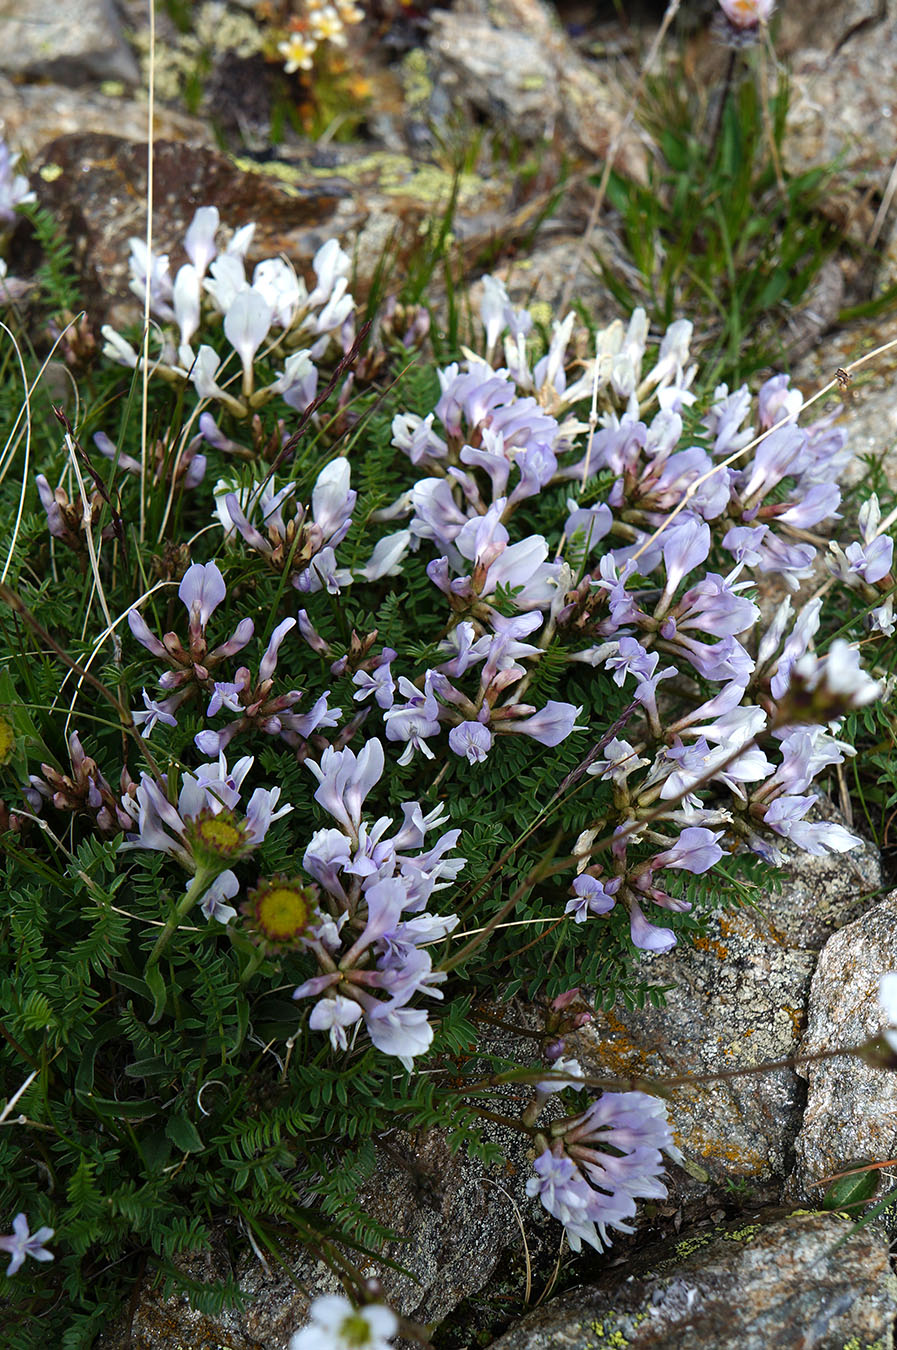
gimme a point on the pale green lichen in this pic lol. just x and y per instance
(416, 83)
(746, 1234)
(392, 174)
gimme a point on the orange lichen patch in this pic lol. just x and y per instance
(708, 944)
(798, 1019)
(746, 1161)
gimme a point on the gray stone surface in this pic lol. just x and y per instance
(774, 1284)
(845, 88)
(514, 64)
(67, 40)
(737, 998)
(453, 1220)
(31, 115)
(851, 1111)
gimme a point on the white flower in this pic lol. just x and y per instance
(838, 675)
(199, 241)
(247, 324)
(336, 1325)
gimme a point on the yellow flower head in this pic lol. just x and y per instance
(281, 910)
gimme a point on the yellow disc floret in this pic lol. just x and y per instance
(217, 836)
(281, 909)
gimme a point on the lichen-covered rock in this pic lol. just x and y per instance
(755, 1285)
(66, 40)
(736, 998)
(851, 1111)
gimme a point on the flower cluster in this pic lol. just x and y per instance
(595, 1166)
(375, 887)
(320, 23)
(274, 309)
(203, 831)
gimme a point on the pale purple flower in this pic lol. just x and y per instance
(414, 720)
(333, 501)
(201, 591)
(645, 934)
(185, 299)
(345, 780)
(775, 401)
(143, 265)
(330, 264)
(117, 349)
(819, 502)
(156, 712)
(333, 1015)
(227, 280)
(838, 677)
(696, 850)
(297, 383)
(336, 1325)
(567, 1196)
(685, 547)
(247, 323)
(14, 189)
(279, 286)
(471, 739)
(224, 887)
(618, 761)
(199, 241)
(786, 816)
(379, 682)
(403, 1032)
(592, 896)
(22, 1243)
(386, 559)
(550, 725)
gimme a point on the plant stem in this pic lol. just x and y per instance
(195, 891)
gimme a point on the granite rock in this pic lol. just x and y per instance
(736, 998)
(514, 65)
(764, 1283)
(851, 1110)
(71, 41)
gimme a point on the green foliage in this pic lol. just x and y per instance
(56, 274)
(722, 232)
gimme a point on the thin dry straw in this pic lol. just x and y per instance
(144, 408)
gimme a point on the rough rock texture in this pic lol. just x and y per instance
(513, 63)
(67, 40)
(844, 81)
(768, 1285)
(454, 1220)
(33, 114)
(736, 998)
(851, 1111)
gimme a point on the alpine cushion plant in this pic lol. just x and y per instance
(507, 669)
